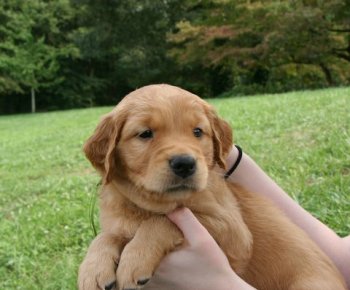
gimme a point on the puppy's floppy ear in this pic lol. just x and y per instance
(100, 147)
(222, 137)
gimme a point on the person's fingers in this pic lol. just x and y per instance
(186, 221)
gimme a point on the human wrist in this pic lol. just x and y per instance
(232, 157)
(233, 160)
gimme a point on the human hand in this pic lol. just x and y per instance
(199, 265)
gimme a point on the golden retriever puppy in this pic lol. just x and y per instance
(162, 148)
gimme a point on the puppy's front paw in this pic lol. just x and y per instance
(136, 267)
(96, 273)
(98, 270)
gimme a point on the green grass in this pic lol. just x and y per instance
(301, 139)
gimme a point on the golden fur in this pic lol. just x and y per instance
(262, 245)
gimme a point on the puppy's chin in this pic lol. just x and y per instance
(165, 199)
(160, 192)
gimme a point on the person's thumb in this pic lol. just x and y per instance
(191, 228)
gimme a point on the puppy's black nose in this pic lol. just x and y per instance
(183, 165)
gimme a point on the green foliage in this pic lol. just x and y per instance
(34, 46)
(296, 77)
(254, 41)
(125, 41)
(29, 46)
(81, 53)
(47, 185)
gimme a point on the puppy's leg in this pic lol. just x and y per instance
(141, 256)
(97, 271)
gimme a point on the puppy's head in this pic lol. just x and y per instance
(161, 140)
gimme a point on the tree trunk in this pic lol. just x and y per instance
(327, 74)
(32, 91)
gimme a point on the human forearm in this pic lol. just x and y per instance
(249, 175)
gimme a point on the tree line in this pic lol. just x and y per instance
(81, 53)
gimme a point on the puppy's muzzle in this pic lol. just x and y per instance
(183, 165)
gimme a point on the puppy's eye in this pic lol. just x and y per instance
(197, 132)
(148, 134)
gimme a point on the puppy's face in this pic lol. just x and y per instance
(162, 140)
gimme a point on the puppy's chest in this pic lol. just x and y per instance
(218, 211)
(122, 221)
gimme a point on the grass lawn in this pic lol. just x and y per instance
(46, 186)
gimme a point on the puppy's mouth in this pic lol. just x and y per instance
(180, 187)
